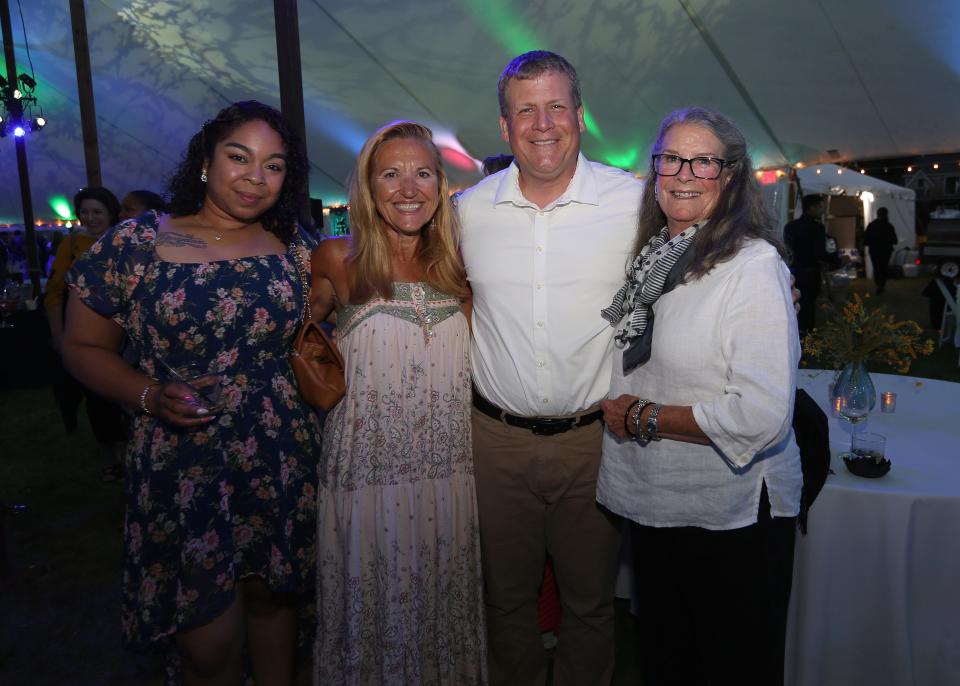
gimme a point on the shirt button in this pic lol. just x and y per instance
(545, 401)
(540, 324)
(539, 286)
(540, 213)
(540, 363)
(539, 248)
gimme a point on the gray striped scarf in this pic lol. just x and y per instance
(646, 282)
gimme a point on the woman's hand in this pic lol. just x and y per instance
(613, 412)
(176, 404)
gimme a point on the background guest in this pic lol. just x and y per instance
(705, 381)
(136, 203)
(807, 239)
(97, 209)
(880, 238)
(494, 163)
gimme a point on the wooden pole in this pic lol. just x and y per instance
(291, 81)
(88, 111)
(15, 109)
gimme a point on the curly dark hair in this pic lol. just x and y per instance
(187, 192)
(102, 195)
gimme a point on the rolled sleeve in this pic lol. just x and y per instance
(761, 345)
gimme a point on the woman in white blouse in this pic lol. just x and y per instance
(699, 453)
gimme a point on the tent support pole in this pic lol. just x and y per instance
(291, 81)
(88, 111)
(15, 108)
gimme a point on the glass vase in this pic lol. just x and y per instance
(855, 392)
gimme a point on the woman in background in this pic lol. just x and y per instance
(97, 209)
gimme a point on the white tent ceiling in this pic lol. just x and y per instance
(861, 78)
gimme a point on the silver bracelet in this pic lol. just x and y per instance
(639, 433)
(653, 426)
(143, 397)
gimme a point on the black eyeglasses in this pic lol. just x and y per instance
(706, 168)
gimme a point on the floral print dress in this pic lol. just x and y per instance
(400, 598)
(236, 497)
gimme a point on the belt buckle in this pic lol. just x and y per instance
(552, 427)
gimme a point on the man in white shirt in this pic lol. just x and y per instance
(545, 244)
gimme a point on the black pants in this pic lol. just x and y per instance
(713, 604)
(808, 281)
(107, 419)
(880, 259)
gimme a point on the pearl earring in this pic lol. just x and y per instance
(203, 175)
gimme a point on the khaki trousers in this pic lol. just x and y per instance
(537, 495)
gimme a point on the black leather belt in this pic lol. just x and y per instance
(541, 426)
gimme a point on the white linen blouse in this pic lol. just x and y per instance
(727, 345)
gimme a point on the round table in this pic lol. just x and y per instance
(876, 587)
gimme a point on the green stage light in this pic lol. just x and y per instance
(62, 207)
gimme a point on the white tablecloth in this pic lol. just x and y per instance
(876, 587)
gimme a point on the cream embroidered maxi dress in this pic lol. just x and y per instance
(400, 597)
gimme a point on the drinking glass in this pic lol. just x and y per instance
(866, 444)
(207, 386)
(855, 392)
(9, 303)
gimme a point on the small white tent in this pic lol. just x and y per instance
(830, 179)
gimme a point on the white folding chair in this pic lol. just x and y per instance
(950, 321)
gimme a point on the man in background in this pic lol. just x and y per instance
(880, 239)
(807, 239)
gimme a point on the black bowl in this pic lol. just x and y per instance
(866, 466)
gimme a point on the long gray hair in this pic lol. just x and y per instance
(739, 213)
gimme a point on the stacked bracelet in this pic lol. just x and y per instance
(143, 397)
(652, 428)
(638, 432)
(626, 417)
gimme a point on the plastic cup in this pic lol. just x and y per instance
(866, 444)
(207, 385)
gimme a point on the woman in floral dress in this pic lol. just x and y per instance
(399, 582)
(221, 515)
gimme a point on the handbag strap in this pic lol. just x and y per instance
(302, 273)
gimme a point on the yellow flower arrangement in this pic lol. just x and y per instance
(855, 333)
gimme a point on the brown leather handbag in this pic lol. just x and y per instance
(317, 363)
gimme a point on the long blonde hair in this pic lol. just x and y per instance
(369, 256)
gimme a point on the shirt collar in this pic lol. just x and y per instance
(582, 188)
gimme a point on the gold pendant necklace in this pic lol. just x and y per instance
(217, 236)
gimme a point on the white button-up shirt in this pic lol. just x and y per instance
(727, 345)
(540, 277)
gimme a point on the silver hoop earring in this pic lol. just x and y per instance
(203, 175)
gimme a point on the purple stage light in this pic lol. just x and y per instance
(19, 132)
